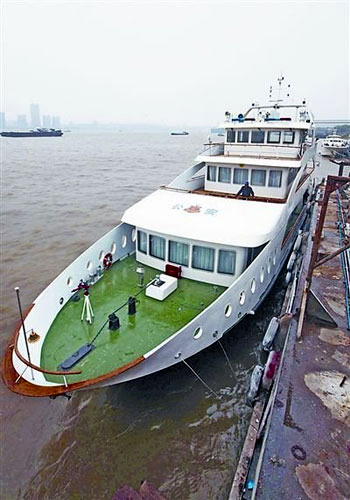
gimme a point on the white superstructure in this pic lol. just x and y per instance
(333, 144)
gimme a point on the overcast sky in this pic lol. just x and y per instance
(169, 62)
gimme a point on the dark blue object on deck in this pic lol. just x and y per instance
(76, 356)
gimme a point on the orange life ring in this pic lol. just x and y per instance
(107, 260)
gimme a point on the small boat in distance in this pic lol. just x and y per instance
(39, 132)
(334, 144)
(180, 133)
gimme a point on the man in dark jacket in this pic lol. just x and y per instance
(245, 190)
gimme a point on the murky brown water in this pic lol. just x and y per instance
(58, 196)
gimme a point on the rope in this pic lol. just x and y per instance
(228, 361)
(200, 379)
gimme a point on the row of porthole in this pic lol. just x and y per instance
(228, 309)
(89, 265)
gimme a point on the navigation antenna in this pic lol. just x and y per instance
(280, 89)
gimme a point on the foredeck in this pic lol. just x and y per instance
(153, 322)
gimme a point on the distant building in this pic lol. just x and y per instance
(46, 121)
(56, 122)
(2, 121)
(22, 122)
(35, 115)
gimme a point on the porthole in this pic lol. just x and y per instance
(262, 274)
(70, 281)
(61, 300)
(198, 332)
(124, 240)
(133, 235)
(239, 314)
(89, 265)
(242, 298)
(253, 285)
(113, 248)
(101, 256)
(269, 265)
(228, 311)
(274, 257)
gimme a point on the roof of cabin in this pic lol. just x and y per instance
(206, 218)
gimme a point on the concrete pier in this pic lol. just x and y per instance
(304, 446)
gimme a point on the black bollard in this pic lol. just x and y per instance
(131, 306)
(114, 322)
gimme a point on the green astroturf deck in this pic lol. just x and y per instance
(153, 322)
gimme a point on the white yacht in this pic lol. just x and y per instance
(333, 144)
(186, 264)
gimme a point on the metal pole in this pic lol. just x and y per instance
(23, 327)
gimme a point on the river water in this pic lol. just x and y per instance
(59, 195)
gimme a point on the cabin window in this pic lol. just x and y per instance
(273, 136)
(258, 136)
(142, 241)
(178, 253)
(157, 247)
(253, 253)
(224, 174)
(203, 258)
(275, 178)
(240, 175)
(227, 262)
(292, 175)
(231, 135)
(288, 137)
(243, 136)
(211, 175)
(258, 178)
(302, 135)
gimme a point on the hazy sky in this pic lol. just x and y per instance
(171, 62)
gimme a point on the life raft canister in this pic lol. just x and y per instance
(107, 260)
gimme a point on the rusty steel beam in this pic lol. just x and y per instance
(332, 255)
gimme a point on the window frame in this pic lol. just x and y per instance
(251, 177)
(234, 262)
(138, 241)
(240, 170)
(201, 268)
(288, 132)
(226, 168)
(229, 132)
(269, 132)
(259, 132)
(150, 246)
(188, 253)
(243, 132)
(216, 173)
(280, 183)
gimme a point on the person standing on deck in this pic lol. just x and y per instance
(245, 190)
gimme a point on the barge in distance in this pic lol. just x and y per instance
(185, 265)
(39, 132)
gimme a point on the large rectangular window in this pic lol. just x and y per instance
(273, 136)
(258, 136)
(203, 258)
(142, 241)
(288, 137)
(224, 174)
(243, 136)
(227, 262)
(231, 135)
(157, 246)
(292, 175)
(258, 178)
(275, 178)
(178, 253)
(240, 175)
(211, 175)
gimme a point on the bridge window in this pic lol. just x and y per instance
(258, 178)
(178, 253)
(258, 136)
(243, 136)
(275, 178)
(288, 137)
(273, 136)
(227, 262)
(224, 174)
(142, 241)
(211, 175)
(231, 135)
(240, 175)
(157, 247)
(203, 258)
